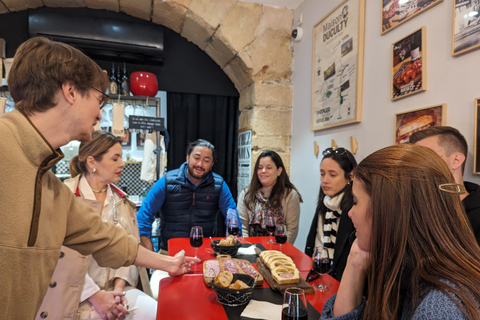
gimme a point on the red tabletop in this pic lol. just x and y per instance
(205, 252)
(187, 297)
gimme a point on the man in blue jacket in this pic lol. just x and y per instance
(188, 196)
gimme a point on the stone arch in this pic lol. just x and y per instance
(250, 42)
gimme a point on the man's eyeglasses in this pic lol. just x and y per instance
(105, 98)
(337, 151)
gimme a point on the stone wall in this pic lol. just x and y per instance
(250, 42)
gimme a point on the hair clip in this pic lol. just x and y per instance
(454, 188)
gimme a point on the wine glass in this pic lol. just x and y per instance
(232, 226)
(294, 304)
(196, 238)
(281, 234)
(270, 227)
(321, 264)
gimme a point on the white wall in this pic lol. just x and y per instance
(450, 80)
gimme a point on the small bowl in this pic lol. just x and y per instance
(225, 250)
(235, 297)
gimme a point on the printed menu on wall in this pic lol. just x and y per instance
(338, 66)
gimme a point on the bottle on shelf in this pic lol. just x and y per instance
(143, 195)
(113, 89)
(125, 88)
(119, 81)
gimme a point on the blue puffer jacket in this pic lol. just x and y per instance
(185, 207)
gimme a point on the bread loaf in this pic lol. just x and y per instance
(223, 279)
(239, 284)
(281, 266)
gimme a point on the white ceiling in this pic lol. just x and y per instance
(290, 4)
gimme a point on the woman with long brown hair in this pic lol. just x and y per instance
(270, 193)
(414, 249)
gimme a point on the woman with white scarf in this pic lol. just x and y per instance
(331, 224)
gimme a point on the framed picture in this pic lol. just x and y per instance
(466, 26)
(396, 12)
(406, 123)
(476, 139)
(337, 66)
(409, 65)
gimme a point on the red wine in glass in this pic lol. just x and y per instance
(196, 238)
(233, 230)
(270, 227)
(321, 264)
(281, 234)
(302, 315)
(196, 241)
(280, 238)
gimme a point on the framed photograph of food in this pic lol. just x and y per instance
(476, 139)
(409, 74)
(337, 66)
(396, 12)
(406, 123)
(466, 26)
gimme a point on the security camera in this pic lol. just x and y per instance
(297, 34)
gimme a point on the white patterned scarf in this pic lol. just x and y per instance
(330, 225)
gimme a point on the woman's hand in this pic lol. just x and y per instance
(358, 259)
(182, 264)
(350, 292)
(105, 303)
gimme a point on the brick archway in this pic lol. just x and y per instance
(250, 42)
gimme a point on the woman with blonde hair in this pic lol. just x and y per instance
(414, 249)
(82, 289)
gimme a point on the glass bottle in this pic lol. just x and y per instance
(125, 87)
(113, 89)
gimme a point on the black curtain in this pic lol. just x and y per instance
(213, 118)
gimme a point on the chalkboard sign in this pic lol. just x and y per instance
(146, 123)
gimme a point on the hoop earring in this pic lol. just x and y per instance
(94, 170)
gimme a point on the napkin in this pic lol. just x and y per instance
(249, 250)
(262, 310)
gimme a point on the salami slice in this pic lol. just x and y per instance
(212, 268)
(247, 267)
(230, 265)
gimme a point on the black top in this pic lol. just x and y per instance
(472, 207)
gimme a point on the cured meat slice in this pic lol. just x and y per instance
(230, 265)
(212, 268)
(247, 267)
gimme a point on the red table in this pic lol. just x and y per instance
(187, 297)
(205, 252)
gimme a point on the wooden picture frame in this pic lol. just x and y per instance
(409, 65)
(337, 66)
(465, 26)
(476, 138)
(397, 12)
(406, 123)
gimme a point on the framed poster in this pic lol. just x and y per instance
(409, 74)
(244, 159)
(406, 123)
(396, 12)
(337, 66)
(476, 139)
(466, 26)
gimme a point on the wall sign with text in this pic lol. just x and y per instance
(337, 67)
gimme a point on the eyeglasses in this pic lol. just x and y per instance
(105, 98)
(337, 151)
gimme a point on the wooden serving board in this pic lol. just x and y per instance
(267, 275)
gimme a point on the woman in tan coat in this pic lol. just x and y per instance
(103, 293)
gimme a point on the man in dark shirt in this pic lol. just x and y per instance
(451, 145)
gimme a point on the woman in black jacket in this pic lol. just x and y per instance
(331, 224)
